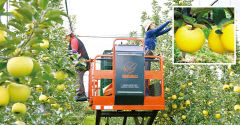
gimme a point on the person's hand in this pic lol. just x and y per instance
(74, 51)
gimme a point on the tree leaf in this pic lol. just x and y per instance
(186, 11)
(177, 14)
(225, 22)
(200, 26)
(6, 14)
(56, 19)
(200, 10)
(208, 26)
(3, 65)
(230, 11)
(203, 20)
(178, 22)
(218, 15)
(17, 26)
(43, 4)
(47, 68)
(2, 2)
(189, 19)
(218, 31)
(54, 13)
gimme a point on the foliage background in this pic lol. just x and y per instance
(206, 92)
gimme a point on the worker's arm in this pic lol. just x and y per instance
(74, 45)
(157, 30)
(163, 31)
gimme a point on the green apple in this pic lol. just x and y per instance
(18, 92)
(4, 100)
(19, 108)
(43, 98)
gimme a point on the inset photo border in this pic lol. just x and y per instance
(204, 35)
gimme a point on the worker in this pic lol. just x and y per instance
(77, 46)
(151, 34)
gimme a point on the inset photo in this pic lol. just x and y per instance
(204, 35)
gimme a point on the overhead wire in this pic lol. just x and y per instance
(69, 19)
(93, 36)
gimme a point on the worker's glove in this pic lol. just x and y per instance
(74, 51)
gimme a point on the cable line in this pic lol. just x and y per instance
(70, 22)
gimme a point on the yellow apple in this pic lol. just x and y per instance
(20, 66)
(2, 36)
(227, 37)
(43, 98)
(188, 39)
(214, 42)
(18, 92)
(4, 100)
(19, 108)
(45, 44)
(205, 112)
(61, 87)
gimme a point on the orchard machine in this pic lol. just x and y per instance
(117, 87)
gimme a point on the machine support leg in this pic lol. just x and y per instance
(125, 120)
(142, 121)
(98, 117)
(136, 121)
(154, 114)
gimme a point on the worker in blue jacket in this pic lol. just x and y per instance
(151, 34)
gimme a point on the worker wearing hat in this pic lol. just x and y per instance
(151, 34)
(77, 46)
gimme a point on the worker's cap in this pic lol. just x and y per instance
(146, 24)
(68, 32)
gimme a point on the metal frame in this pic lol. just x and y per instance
(125, 114)
(100, 103)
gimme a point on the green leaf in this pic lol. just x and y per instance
(177, 14)
(47, 68)
(186, 11)
(231, 12)
(51, 13)
(27, 12)
(3, 65)
(208, 26)
(43, 4)
(6, 14)
(2, 2)
(56, 19)
(218, 31)
(200, 26)
(4, 28)
(17, 26)
(189, 19)
(178, 22)
(225, 22)
(200, 10)
(203, 20)
(51, 91)
(218, 15)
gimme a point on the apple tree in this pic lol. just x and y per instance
(34, 35)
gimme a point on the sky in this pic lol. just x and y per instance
(106, 18)
(115, 18)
